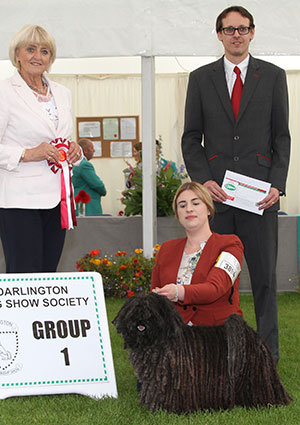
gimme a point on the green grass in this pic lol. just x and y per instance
(79, 410)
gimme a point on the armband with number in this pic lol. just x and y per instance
(230, 264)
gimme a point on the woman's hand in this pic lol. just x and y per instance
(172, 291)
(74, 153)
(44, 151)
(48, 152)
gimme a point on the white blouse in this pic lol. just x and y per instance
(47, 103)
(188, 265)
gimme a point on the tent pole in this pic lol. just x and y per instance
(148, 155)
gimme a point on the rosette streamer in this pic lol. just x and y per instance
(67, 206)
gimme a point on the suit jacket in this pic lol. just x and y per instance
(85, 178)
(23, 124)
(257, 144)
(206, 299)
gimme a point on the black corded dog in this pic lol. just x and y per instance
(184, 369)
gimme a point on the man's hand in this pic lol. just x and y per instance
(216, 192)
(270, 199)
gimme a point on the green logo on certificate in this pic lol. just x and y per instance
(230, 186)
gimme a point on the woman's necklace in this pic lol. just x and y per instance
(36, 89)
(193, 249)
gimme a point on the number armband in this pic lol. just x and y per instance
(229, 264)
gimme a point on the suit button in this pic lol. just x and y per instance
(236, 137)
(236, 158)
(184, 307)
(194, 308)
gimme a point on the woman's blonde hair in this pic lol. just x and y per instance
(32, 34)
(202, 194)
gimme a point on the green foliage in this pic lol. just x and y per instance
(133, 198)
(122, 275)
(167, 182)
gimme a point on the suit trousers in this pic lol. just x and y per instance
(259, 235)
(32, 239)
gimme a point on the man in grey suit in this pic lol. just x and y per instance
(255, 143)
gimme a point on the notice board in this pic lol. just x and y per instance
(113, 137)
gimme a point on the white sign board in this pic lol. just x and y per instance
(54, 335)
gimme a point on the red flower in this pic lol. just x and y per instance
(120, 213)
(94, 252)
(133, 171)
(135, 261)
(120, 254)
(130, 294)
(83, 197)
(168, 165)
(123, 267)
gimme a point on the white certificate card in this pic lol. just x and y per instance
(244, 192)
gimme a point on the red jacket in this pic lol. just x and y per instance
(208, 299)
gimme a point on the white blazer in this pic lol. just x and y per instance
(24, 124)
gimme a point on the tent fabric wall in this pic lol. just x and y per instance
(291, 203)
(109, 95)
(95, 28)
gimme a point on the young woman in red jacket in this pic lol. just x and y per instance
(199, 273)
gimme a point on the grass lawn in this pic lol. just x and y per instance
(79, 410)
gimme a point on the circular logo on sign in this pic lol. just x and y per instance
(230, 186)
(9, 347)
(62, 155)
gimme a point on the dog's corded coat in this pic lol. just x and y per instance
(184, 369)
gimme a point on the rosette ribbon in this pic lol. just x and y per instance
(67, 205)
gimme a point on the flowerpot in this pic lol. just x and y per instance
(81, 209)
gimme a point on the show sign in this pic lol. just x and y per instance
(54, 335)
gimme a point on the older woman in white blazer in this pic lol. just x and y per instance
(34, 114)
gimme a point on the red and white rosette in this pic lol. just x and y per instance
(67, 204)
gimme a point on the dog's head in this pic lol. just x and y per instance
(147, 320)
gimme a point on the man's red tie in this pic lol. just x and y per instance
(237, 92)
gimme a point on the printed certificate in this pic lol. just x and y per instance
(244, 192)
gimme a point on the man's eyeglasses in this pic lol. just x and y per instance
(241, 30)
